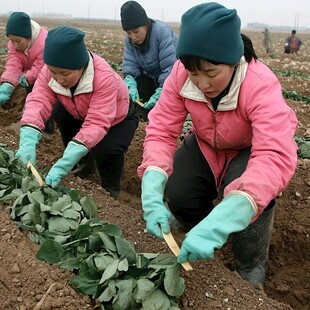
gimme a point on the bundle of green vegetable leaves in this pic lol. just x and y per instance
(106, 266)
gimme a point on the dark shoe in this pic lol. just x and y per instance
(85, 167)
(113, 193)
(111, 169)
(251, 247)
(254, 275)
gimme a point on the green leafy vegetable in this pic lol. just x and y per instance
(107, 266)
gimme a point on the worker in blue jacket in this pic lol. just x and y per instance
(149, 55)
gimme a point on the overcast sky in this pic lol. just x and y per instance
(294, 13)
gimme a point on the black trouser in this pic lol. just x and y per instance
(190, 192)
(28, 89)
(109, 152)
(191, 188)
(146, 88)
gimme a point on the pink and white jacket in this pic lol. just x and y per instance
(253, 113)
(29, 62)
(101, 100)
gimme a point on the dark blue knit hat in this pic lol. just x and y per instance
(19, 24)
(133, 15)
(65, 48)
(212, 32)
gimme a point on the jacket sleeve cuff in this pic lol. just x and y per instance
(157, 169)
(33, 127)
(248, 197)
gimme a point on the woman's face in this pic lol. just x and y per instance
(212, 79)
(20, 43)
(137, 35)
(65, 77)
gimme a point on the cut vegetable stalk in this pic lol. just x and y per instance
(141, 104)
(175, 249)
(35, 173)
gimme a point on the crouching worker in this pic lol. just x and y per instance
(25, 57)
(241, 148)
(149, 55)
(91, 108)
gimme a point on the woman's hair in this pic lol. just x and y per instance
(249, 51)
(192, 63)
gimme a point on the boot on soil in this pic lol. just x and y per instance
(110, 169)
(251, 247)
(85, 167)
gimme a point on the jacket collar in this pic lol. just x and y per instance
(85, 84)
(230, 100)
(35, 31)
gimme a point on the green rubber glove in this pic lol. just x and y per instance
(6, 91)
(132, 85)
(22, 81)
(29, 137)
(232, 214)
(72, 155)
(187, 125)
(152, 101)
(156, 214)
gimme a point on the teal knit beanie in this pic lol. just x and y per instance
(19, 24)
(65, 48)
(212, 32)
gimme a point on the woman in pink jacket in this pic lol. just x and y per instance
(241, 147)
(91, 108)
(25, 57)
(25, 54)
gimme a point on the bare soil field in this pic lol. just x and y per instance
(211, 285)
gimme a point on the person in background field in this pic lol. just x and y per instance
(25, 56)
(149, 55)
(267, 41)
(292, 43)
(241, 148)
(91, 107)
